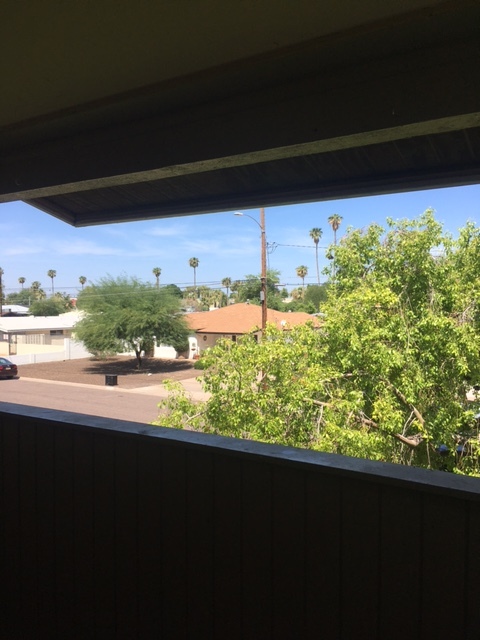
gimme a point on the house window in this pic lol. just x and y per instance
(56, 332)
(234, 338)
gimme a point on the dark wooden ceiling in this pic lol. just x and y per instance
(318, 103)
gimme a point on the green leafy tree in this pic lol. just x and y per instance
(174, 290)
(21, 281)
(53, 306)
(315, 234)
(22, 298)
(51, 273)
(82, 280)
(47, 307)
(386, 374)
(125, 314)
(249, 289)
(316, 295)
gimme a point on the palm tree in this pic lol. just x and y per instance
(194, 262)
(335, 221)
(296, 294)
(21, 281)
(302, 272)
(315, 234)
(37, 292)
(227, 283)
(51, 273)
(82, 280)
(156, 272)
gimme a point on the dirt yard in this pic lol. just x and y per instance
(90, 371)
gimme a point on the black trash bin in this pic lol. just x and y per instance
(110, 380)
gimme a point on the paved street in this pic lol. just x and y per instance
(135, 405)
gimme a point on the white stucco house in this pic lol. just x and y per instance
(28, 339)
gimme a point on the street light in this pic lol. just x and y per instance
(263, 253)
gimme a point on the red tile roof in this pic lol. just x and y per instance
(241, 318)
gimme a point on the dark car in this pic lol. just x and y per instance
(7, 368)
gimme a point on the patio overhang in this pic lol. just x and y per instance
(127, 112)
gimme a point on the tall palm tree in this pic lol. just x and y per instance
(21, 281)
(335, 221)
(194, 262)
(156, 272)
(315, 234)
(227, 283)
(51, 273)
(302, 272)
(82, 280)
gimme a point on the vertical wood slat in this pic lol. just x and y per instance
(28, 570)
(11, 602)
(45, 526)
(227, 536)
(322, 556)
(84, 533)
(257, 550)
(64, 531)
(360, 560)
(151, 598)
(400, 564)
(443, 567)
(471, 613)
(174, 543)
(104, 535)
(126, 532)
(200, 542)
(288, 553)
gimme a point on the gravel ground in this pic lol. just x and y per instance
(90, 371)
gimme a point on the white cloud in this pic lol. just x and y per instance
(85, 247)
(164, 231)
(24, 247)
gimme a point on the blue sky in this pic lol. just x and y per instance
(226, 245)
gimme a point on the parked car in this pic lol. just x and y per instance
(7, 369)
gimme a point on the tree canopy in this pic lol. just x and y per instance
(386, 375)
(54, 306)
(126, 314)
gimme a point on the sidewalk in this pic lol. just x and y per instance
(191, 385)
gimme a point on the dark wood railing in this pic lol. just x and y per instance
(117, 530)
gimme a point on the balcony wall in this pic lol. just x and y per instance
(114, 530)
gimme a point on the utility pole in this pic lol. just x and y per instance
(263, 254)
(263, 293)
(1, 291)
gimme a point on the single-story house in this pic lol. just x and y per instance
(19, 334)
(237, 319)
(14, 310)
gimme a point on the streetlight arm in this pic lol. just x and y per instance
(245, 215)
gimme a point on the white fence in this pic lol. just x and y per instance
(72, 350)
